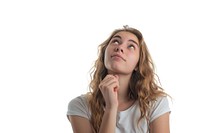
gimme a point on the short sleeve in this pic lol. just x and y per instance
(160, 107)
(79, 107)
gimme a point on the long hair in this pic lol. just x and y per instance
(142, 86)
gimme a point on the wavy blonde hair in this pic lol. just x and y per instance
(142, 86)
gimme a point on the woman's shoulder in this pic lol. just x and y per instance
(159, 107)
(81, 99)
(160, 101)
(79, 106)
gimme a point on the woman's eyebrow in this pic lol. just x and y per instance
(133, 42)
(117, 36)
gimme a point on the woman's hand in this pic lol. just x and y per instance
(109, 87)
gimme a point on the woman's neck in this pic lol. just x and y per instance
(123, 88)
(123, 97)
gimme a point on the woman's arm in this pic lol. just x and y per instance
(80, 124)
(161, 124)
(109, 88)
(109, 121)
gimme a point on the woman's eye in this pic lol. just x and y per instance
(115, 42)
(131, 46)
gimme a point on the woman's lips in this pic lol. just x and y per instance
(118, 56)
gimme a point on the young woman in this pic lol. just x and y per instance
(124, 96)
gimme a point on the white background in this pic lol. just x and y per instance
(47, 48)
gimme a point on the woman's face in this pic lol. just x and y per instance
(122, 53)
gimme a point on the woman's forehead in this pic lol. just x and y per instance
(126, 34)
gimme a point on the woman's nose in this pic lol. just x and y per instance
(119, 49)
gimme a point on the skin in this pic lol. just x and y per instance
(122, 44)
(121, 58)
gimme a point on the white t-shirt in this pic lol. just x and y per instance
(127, 120)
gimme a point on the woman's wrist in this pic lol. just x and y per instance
(112, 109)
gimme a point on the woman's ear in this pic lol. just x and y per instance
(136, 68)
